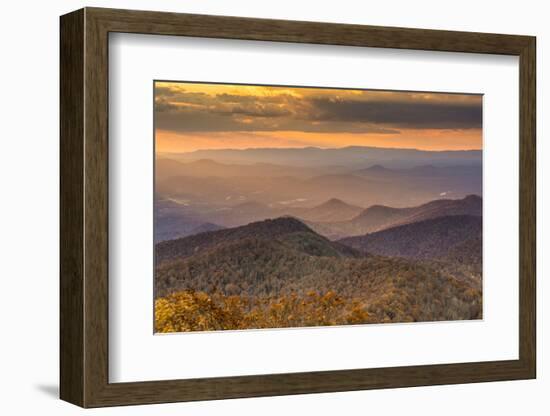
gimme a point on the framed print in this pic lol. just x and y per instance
(261, 207)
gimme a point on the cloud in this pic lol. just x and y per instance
(404, 114)
(196, 121)
(253, 109)
(182, 107)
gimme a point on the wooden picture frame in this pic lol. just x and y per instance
(84, 207)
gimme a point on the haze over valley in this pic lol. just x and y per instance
(199, 192)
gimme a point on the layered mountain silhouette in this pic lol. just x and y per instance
(211, 183)
(333, 210)
(422, 171)
(346, 156)
(335, 219)
(168, 168)
(173, 220)
(379, 217)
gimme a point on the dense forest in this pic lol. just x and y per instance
(428, 239)
(280, 273)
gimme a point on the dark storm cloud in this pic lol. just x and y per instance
(404, 114)
(320, 111)
(192, 120)
(253, 110)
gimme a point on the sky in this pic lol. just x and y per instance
(193, 116)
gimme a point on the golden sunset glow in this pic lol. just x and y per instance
(192, 116)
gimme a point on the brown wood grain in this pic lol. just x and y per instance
(84, 207)
(527, 208)
(71, 100)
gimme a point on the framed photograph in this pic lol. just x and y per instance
(257, 207)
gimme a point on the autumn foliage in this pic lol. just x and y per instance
(247, 279)
(197, 311)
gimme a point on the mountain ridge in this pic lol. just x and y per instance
(283, 264)
(432, 238)
(267, 229)
(379, 217)
(346, 156)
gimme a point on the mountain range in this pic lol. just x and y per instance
(346, 156)
(215, 183)
(267, 260)
(167, 168)
(330, 203)
(333, 219)
(379, 217)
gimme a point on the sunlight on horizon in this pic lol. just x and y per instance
(195, 116)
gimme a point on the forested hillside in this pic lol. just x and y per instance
(280, 273)
(427, 239)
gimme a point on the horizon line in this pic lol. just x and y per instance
(320, 148)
